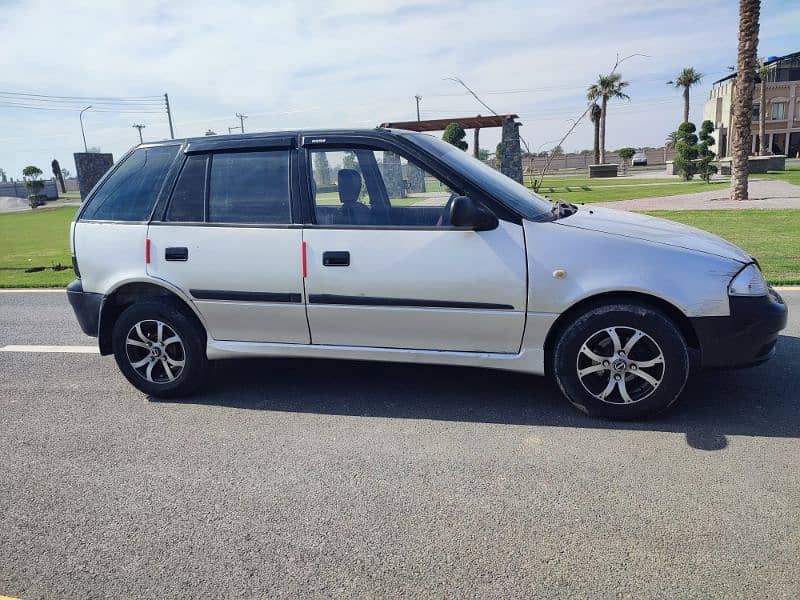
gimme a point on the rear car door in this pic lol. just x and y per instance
(385, 268)
(226, 238)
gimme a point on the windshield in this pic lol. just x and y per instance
(506, 190)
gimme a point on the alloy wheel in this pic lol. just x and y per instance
(155, 351)
(620, 365)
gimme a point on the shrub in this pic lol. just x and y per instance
(686, 151)
(705, 155)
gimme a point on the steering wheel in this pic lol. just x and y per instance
(444, 218)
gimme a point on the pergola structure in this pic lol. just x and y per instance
(511, 156)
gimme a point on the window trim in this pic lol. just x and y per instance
(431, 166)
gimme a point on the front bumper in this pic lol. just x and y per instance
(86, 306)
(747, 337)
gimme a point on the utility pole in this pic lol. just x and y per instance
(169, 117)
(83, 133)
(232, 128)
(241, 120)
(418, 98)
(139, 127)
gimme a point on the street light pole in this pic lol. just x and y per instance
(231, 129)
(85, 148)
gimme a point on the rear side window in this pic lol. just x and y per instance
(188, 197)
(249, 187)
(130, 192)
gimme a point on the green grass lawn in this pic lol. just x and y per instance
(772, 236)
(558, 181)
(39, 238)
(790, 175)
(590, 194)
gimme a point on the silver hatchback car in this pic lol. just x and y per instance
(395, 246)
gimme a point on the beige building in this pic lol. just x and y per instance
(782, 108)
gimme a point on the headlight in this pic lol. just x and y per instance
(749, 282)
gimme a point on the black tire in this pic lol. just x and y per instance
(589, 337)
(190, 348)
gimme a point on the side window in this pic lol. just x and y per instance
(339, 188)
(188, 197)
(130, 192)
(249, 187)
(378, 188)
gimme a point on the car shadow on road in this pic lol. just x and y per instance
(761, 401)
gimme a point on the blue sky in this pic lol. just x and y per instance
(336, 64)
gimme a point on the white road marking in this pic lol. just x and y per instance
(69, 349)
(33, 290)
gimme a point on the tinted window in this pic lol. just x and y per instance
(188, 197)
(249, 187)
(131, 190)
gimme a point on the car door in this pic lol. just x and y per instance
(384, 267)
(227, 240)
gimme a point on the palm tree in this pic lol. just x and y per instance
(669, 143)
(749, 11)
(607, 86)
(594, 114)
(763, 74)
(686, 79)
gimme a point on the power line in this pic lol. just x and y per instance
(84, 98)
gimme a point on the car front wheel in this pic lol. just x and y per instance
(621, 361)
(160, 349)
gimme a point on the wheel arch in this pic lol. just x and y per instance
(129, 292)
(675, 314)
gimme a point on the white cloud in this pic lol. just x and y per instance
(314, 64)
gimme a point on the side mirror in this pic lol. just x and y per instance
(466, 212)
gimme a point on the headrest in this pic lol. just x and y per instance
(349, 185)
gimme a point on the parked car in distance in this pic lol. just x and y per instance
(396, 246)
(639, 159)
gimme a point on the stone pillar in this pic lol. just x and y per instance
(91, 166)
(416, 179)
(393, 175)
(511, 160)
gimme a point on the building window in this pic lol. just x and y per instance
(756, 112)
(778, 111)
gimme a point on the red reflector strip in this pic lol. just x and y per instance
(303, 263)
(147, 251)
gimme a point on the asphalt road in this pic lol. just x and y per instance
(310, 478)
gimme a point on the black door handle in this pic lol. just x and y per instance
(340, 258)
(176, 254)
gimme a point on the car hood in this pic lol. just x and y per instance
(652, 229)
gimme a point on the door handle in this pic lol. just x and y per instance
(339, 258)
(176, 253)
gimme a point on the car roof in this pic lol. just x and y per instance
(236, 140)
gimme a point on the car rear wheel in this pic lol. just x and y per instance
(160, 349)
(621, 361)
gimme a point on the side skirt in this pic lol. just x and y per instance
(529, 360)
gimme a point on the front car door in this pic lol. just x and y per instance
(227, 239)
(386, 269)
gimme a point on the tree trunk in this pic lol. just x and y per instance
(743, 104)
(603, 106)
(762, 120)
(686, 104)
